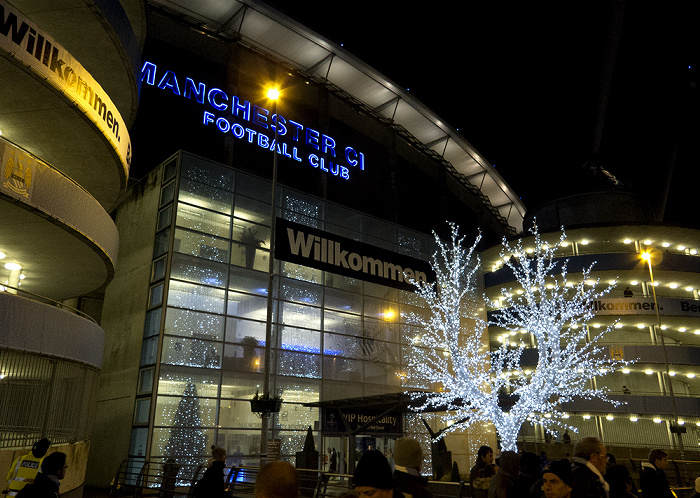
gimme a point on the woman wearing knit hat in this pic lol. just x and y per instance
(372, 478)
(557, 479)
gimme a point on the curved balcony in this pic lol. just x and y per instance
(47, 330)
(64, 240)
(54, 107)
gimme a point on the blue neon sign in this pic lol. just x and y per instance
(252, 123)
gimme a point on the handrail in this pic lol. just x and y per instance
(48, 301)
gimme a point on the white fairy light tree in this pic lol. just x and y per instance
(451, 354)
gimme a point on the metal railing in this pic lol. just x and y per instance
(140, 478)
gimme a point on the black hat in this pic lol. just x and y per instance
(373, 470)
(561, 469)
(40, 448)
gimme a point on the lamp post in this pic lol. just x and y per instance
(646, 256)
(273, 95)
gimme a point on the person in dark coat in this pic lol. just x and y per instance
(588, 467)
(372, 477)
(653, 479)
(697, 489)
(620, 482)
(484, 458)
(503, 482)
(48, 481)
(529, 474)
(408, 458)
(212, 484)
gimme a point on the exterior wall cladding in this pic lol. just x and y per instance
(190, 292)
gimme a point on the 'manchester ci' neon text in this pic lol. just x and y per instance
(241, 113)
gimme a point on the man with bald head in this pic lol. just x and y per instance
(277, 479)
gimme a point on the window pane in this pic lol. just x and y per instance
(141, 411)
(256, 188)
(252, 210)
(195, 297)
(342, 322)
(240, 385)
(199, 271)
(145, 380)
(236, 414)
(300, 292)
(158, 269)
(342, 369)
(298, 272)
(165, 218)
(247, 306)
(203, 246)
(152, 326)
(295, 339)
(206, 196)
(202, 220)
(299, 364)
(244, 358)
(250, 257)
(191, 352)
(300, 316)
(161, 243)
(240, 331)
(194, 324)
(149, 351)
(167, 194)
(206, 172)
(252, 282)
(155, 295)
(186, 411)
(343, 345)
(175, 380)
(343, 301)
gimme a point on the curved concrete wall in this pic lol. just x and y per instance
(32, 326)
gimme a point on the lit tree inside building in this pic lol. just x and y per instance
(187, 442)
(473, 384)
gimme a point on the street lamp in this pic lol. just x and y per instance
(273, 94)
(647, 256)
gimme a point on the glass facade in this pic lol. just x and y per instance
(204, 336)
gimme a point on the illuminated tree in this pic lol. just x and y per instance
(187, 443)
(452, 357)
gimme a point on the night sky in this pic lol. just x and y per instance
(524, 83)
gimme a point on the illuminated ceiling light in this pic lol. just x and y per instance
(657, 420)
(584, 242)
(618, 325)
(666, 244)
(627, 241)
(634, 418)
(655, 284)
(586, 417)
(690, 375)
(664, 327)
(564, 415)
(647, 242)
(529, 250)
(696, 332)
(547, 415)
(596, 325)
(2, 255)
(634, 282)
(564, 243)
(682, 329)
(641, 326)
(609, 417)
(545, 246)
(590, 282)
(681, 248)
(648, 371)
(673, 286)
(569, 284)
(612, 282)
(681, 422)
(689, 289)
(693, 252)
(12, 266)
(550, 286)
(672, 373)
(625, 370)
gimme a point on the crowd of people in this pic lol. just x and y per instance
(590, 472)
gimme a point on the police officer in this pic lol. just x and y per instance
(25, 468)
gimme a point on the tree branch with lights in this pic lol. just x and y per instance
(470, 380)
